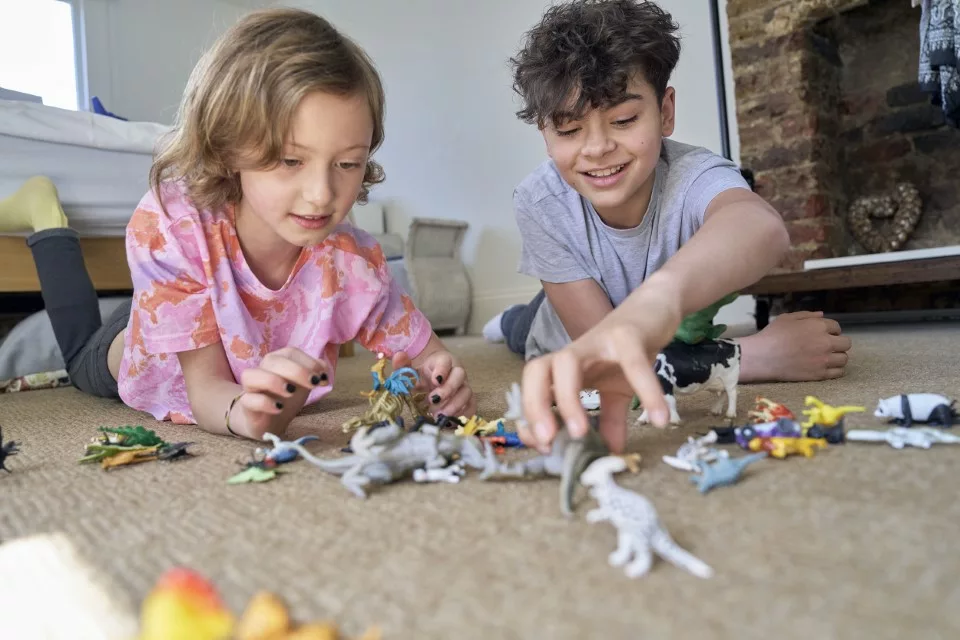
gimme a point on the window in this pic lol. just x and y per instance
(39, 50)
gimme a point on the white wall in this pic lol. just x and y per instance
(454, 148)
(139, 53)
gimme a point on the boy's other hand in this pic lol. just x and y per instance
(795, 347)
(445, 381)
(616, 357)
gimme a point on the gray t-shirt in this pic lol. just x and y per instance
(565, 240)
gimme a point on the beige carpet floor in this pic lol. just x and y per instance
(859, 542)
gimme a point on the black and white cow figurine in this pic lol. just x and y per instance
(931, 408)
(709, 365)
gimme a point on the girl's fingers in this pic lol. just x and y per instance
(314, 366)
(439, 369)
(453, 382)
(260, 403)
(457, 405)
(292, 370)
(258, 380)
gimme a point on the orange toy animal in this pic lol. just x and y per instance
(184, 606)
(783, 447)
(767, 410)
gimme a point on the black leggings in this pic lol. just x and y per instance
(516, 322)
(71, 303)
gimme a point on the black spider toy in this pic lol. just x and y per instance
(6, 450)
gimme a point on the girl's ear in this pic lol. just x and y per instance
(668, 112)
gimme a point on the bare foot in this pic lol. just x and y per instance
(795, 347)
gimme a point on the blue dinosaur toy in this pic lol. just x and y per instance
(282, 455)
(723, 472)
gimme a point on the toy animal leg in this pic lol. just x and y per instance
(717, 407)
(354, 482)
(671, 403)
(732, 400)
(596, 515)
(619, 556)
(642, 560)
(941, 415)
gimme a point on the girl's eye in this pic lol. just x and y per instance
(625, 122)
(291, 162)
(349, 165)
(568, 132)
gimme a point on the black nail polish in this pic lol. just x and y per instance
(435, 399)
(315, 380)
(439, 379)
(290, 387)
(323, 378)
(279, 405)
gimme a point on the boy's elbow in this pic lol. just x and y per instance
(777, 236)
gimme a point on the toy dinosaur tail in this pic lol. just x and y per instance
(666, 548)
(577, 457)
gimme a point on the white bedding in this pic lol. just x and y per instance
(99, 164)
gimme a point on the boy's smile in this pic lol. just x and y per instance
(609, 155)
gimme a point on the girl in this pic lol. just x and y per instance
(246, 277)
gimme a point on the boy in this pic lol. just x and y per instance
(622, 217)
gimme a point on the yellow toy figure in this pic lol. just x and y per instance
(783, 447)
(376, 372)
(824, 414)
(184, 606)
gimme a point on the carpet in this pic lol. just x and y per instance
(858, 542)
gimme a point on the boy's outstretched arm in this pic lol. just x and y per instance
(741, 240)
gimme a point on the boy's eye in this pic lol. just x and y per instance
(625, 121)
(349, 165)
(291, 162)
(567, 132)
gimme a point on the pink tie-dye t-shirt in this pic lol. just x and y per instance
(193, 288)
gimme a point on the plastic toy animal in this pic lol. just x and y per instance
(780, 428)
(833, 435)
(698, 326)
(7, 449)
(590, 399)
(783, 447)
(385, 454)
(639, 530)
(900, 437)
(824, 414)
(723, 472)
(694, 450)
(931, 408)
(567, 459)
(282, 454)
(766, 410)
(710, 365)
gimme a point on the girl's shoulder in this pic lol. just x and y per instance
(349, 242)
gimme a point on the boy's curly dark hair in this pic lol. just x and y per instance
(590, 49)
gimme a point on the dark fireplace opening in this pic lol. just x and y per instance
(884, 129)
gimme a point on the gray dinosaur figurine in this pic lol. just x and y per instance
(568, 456)
(723, 472)
(384, 454)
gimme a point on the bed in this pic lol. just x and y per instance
(100, 166)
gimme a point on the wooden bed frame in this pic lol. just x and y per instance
(106, 262)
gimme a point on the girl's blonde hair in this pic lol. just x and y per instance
(240, 99)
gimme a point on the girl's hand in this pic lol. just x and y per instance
(275, 391)
(616, 357)
(445, 382)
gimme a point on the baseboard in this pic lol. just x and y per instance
(490, 303)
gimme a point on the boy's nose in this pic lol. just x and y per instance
(597, 144)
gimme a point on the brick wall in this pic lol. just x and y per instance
(828, 110)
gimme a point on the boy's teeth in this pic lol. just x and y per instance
(605, 173)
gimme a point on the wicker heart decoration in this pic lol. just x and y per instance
(902, 209)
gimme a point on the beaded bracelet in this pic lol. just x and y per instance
(226, 416)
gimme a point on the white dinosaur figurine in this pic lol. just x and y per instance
(639, 531)
(900, 437)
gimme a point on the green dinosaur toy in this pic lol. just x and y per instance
(129, 436)
(698, 326)
(97, 452)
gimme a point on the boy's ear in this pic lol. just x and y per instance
(668, 111)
